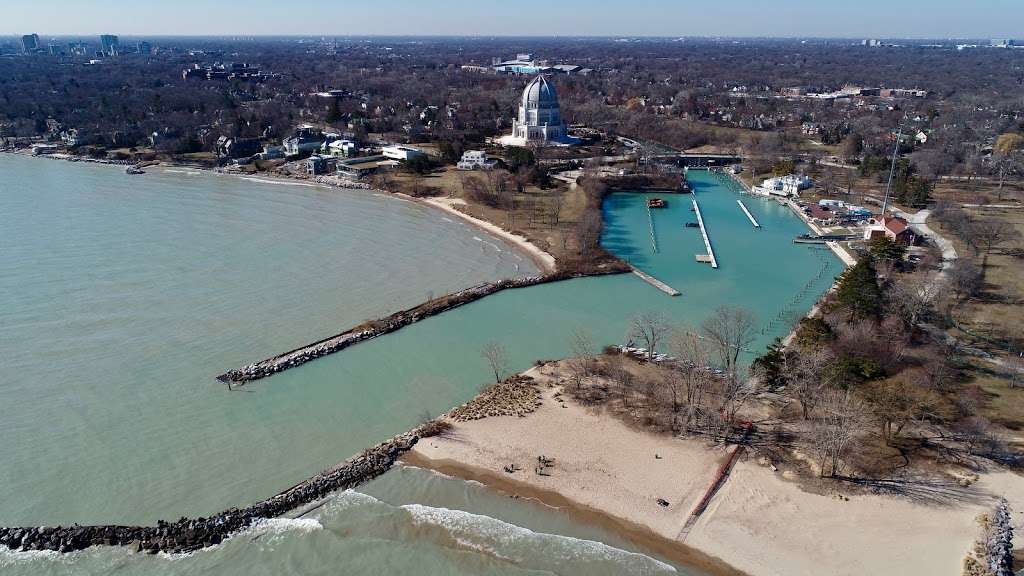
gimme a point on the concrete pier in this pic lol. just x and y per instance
(656, 283)
(747, 212)
(650, 224)
(704, 233)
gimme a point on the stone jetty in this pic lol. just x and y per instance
(189, 534)
(388, 324)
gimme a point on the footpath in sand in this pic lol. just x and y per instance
(758, 523)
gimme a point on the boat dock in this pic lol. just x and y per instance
(656, 283)
(650, 224)
(747, 212)
(704, 233)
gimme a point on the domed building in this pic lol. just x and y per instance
(539, 121)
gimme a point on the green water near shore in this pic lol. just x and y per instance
(125, 295)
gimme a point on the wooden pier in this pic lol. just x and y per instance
(704, 232)
(656, 283)
(747, 212)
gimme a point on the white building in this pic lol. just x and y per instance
(475, 160)
(539, 121)
(71, 138)
(399, 152)
(790, 185)
(342, 148)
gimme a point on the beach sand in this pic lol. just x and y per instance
(543, 260)
(759, 523)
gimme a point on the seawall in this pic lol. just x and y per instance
(388, 324)
(189, 534)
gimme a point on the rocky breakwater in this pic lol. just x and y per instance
(374, 328)
(189, 534)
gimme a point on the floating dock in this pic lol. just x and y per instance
(650, 224)
(749, 215)
(704, 233)
(656, 283)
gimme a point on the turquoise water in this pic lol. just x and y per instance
(156, 283)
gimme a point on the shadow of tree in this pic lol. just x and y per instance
(923, 490)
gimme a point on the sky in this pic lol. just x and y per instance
(776, 18)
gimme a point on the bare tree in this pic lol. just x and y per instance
(730, 330)
(809, 377)
(965, 279)
(582, 362)
(496, 358)
(912, 297)
(692, 362)
(988, 234)
(650, 328)
(833, 434)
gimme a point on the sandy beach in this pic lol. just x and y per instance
(760, 523)
(543, 260)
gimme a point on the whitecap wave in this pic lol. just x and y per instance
(269, 530)
(188, 172)
(279, 182)
(521, 545)
(9, 558)
(348, 499)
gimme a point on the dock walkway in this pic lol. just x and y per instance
(656, 283)
(650, 224)
(704, 233)
(747, 212)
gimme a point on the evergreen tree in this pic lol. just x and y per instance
(859, 290)
(333, 113)
(883, 248)
(770, 365)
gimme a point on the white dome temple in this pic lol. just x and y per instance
(540, 117)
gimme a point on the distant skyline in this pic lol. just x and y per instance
(777, 18)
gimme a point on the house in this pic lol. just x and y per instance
(821, 214)
(317, 164)
(893, 228)
(403, 153)
(72, 138)
(44, 149)
(306, 140)
(228, 147)
(357, 168)
(810, 128)
(271, 153)
(342, 148)
(475, 160)
(790, 185)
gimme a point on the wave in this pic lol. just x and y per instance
(279, 182)
(521, 545)
(491, 244)
(189, 172)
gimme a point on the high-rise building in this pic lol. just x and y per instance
(110, 44)
(145, 47)
(30, 42)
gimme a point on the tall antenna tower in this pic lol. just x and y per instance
(892, 166)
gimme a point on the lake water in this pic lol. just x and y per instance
(121, 297)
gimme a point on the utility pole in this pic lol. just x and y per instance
(892, 167)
